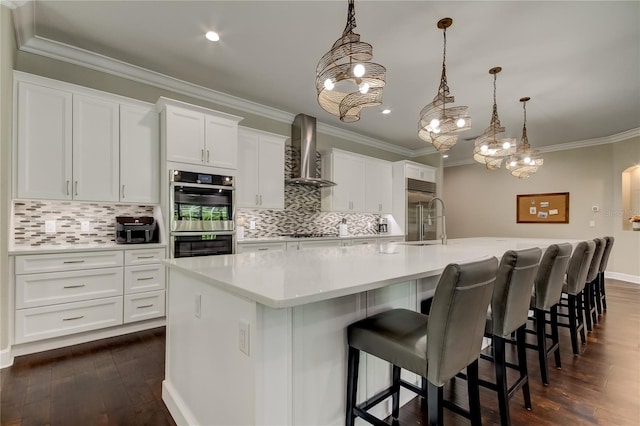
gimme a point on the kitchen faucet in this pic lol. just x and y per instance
(443, 237)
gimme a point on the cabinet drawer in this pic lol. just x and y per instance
(250, 248)
(36, 263)
(142, 306)
(59, 320)
(143, 278)
(33, 290)
(142, 256)
(363, 241)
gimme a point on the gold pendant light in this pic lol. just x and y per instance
(525, 161)
(490, 148)
(440, 122)
(346, 81)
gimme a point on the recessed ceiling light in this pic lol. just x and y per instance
(212, 36)
(445, 155)
(386, 111)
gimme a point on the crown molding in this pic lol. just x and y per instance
(29, 42)
(618, 137)
(12, 4)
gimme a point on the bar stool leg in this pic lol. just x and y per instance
(435, 404)
(555, 340)
(395, 399)
(602, 290)
(542, 346)
(499, 362)
(352, 384)
(473, 390)
(522, 363)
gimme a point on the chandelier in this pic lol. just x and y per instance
(490, 149)
(525, 161)
(439, 123)
(346, 81)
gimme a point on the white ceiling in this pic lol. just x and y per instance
(579, 61)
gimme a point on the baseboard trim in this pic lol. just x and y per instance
(6, 360)
(89, 336)
(635, 279)
(176, 406)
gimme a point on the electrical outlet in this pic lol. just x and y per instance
(243, 337)
(595, 209)
(197, 306)
(50, 226)
(85, 226)
(592, 223)
(252, 224)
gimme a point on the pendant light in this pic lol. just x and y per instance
(525, 161)
(439, 121)
(490, 148)
(346, 80)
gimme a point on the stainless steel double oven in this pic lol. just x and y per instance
(202, 212)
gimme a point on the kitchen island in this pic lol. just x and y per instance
(259, 338)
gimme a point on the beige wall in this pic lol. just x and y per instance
(481, 202)
(7, 57)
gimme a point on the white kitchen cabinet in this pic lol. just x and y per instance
(300, 245)
(378, 184)
(260, 180)
(144, 284)
(200, 136)
(44, 142)
(139, 154)
(347, 171)
(259, 247)
(363, 241)
(419, 171)
(96, 156)
(143, 306)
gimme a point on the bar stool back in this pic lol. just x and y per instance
(601, 298)
(435, 346)
(589, 296)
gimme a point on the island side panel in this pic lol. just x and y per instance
(208, 378)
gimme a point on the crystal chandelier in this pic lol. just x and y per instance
(525, 161)
(439, 122)
(490, 149)
(346, 81)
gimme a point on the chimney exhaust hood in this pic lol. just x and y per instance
(303, 140)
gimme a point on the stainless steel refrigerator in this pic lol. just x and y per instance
(421, 223)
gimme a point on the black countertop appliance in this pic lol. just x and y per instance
(136, 230)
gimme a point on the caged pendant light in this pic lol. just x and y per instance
(346, 81)
(525, 161)
(439, 121)
(490, 149)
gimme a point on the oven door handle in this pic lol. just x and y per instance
(191, 233)
(203, 185)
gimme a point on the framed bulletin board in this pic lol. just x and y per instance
(543, 208)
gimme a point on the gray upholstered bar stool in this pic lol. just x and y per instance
(435, 346)
(601, 297)
(547, 291)
(574, 288)
(589, 297)
(508, 313)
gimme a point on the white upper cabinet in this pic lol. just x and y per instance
(419, 171)
(96, 156)
(195, 135)
(260, 180)
(139, 154)
(44, 142)
(347, 170)
(378, 185)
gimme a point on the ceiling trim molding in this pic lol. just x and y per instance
(424, 151)
(618, 137)
(12, 4)
(29, 42)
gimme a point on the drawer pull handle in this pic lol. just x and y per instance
(73, 261)
(74, 286)
(144, 278)
(145, 257)
(144, 306)
(263, 248)
(72, 318)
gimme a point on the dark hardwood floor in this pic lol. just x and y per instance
(118, 381)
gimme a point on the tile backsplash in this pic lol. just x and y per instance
(29, 219)
(302, 213)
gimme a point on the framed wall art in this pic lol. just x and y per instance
(543, 208)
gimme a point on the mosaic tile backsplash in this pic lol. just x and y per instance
(302, 213)
(29, 221)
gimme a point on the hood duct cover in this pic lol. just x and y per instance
(303, 140)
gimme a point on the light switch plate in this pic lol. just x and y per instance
(50, 226)
(252, 224)
(85, 226)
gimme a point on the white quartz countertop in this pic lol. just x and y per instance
(281, 279)
(289, 239)
(74, 248)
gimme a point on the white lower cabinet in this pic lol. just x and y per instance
(59, 294)
(142, 306)
(256, 247)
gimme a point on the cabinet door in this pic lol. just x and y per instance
(247, 180)
(342, 175)
(378, 186)
(139, 154)
(220, 142)
(185, 135)
(44, 148)
(416, 171)
(271, 182)
(356, 184)
(95, 149)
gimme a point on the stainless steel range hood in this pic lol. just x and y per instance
(303, 140)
